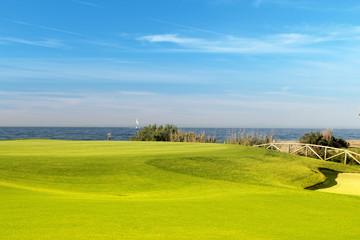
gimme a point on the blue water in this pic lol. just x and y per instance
(123, 134)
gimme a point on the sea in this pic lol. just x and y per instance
(124, 133)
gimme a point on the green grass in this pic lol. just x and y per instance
(356, 150)
(150, 190)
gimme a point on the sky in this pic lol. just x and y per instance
(192, 63)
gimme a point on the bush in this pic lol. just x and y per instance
(154, 133)
(170, 133)
(325, 139)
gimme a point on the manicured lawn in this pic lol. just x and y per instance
(147, 190)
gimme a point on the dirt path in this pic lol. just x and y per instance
(346, 183)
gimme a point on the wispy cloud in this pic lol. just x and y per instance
(26, 108)
(191, 27)
(138, 93)
(293, 42)
(303, 96)
(52, 94)
(172, 38)
(46, 28)
(52, 43)
(119, 104)
(89, 4)
(272, 44)
(331, 6)
(105, 43)
(257, 3)
(96, 70)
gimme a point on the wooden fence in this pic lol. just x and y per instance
(317, 151)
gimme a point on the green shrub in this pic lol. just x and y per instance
(170, 133)
(154, 133)
(325, 139)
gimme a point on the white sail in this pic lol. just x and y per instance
(137, 123)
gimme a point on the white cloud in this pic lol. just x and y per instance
(88, 4)
(137, 93)
(95, 70)
(191, 27)
(292, 42)
(271, 44)
(105, 43)
(52, 43)
(32, 93)
(46, 28)
(287, 104)
(110, 109)
(172, 38)
(303, 96)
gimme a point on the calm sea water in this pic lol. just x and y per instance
(123, 134)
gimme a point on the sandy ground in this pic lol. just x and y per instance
(354, 143)
(347, 183)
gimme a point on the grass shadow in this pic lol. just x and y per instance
(330, 181)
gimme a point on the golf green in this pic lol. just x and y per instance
(155, 190)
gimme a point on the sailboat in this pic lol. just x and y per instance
(137, 123)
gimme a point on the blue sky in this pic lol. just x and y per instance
(198, 63)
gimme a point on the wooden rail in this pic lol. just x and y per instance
(311, 150)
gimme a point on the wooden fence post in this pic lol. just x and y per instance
(325, 153)
(336, 151)
(345, 157)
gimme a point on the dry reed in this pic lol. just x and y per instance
(248, 139)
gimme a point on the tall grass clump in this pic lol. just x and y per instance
(170, 133)
(249, 139)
